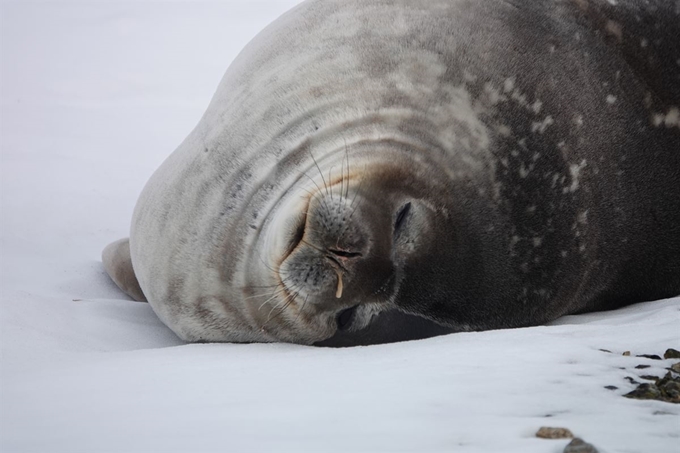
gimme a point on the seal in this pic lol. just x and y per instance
(378, 171)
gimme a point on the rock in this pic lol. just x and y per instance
(671, 354)
(627, 353)
(676, 367)
(579, 446)
(642, 367)
(554, 433)
(645, 392)
(670, 388)
(606, 350)
(611, 387)
(649, 356)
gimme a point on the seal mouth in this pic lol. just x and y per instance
(346, 317)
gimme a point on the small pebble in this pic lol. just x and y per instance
(611, 387)
(546, 432)
(676, 367)
(579, 446)
(627, 353)
(642, 367)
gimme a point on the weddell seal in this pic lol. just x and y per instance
(371, 171)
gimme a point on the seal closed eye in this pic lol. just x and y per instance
(401, 216)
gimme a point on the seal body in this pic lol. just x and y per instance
(379, 170)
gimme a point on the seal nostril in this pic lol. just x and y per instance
(343, 254)
(401, 216)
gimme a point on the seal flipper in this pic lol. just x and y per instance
(117, 263)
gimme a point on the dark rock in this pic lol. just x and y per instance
(675, 367)
(649, 377)
(670, 388)
(649, 356)
(671, 354)
(606, 350)
(645, 392)
(626, 353)
(579, 446)
(631, 380)
(665, 389)
(611, 387)
(642, 367)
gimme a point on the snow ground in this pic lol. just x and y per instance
(94, 96)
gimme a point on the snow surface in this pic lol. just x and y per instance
(94, 96)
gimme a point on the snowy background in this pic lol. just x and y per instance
(94, 96)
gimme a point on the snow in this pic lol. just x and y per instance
(94, 96)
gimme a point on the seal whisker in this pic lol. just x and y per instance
(288, 300)
(264, 294)
(348, 173)
(320, 172)
(323, 201)
(330, 180)
(301, 309)
(276, 293)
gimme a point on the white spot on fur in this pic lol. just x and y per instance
(536, 106)
(583, 217)
(575, 172)
(493, 95)
(555, 177)
(578, 120)
(537, 242)
(672, 117)
(509, 84)
(669, 119)
(469, 77)
(541, 126)
(611, 99)
(504, 130)
(524, 171)
(551, 48)
(519, 97)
